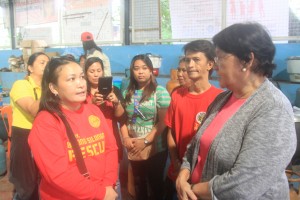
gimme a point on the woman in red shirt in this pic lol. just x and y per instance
(63, 97)
(111, 106)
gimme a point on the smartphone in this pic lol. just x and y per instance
(105, 85)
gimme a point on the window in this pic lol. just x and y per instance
(182, 21)
(5, 41)
(61, 23)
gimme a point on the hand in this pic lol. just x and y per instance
(184, 191)
(138, 145)
(110, 193)
(112, 98)
(127, 142)
(97, 99)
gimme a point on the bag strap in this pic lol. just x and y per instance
(75, 146)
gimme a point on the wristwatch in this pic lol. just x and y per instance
(146, 142)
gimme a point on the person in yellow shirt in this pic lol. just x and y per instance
(24, 99)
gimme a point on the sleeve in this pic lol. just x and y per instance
(268, 146)
(162, 97)
(123, 118)
(49, 151)
(20, 89)
(169, 118)
(119, 95)
(188, 155)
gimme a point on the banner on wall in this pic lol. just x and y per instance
(63, 21)
(265, 12)
(201, 19)
(93, 16)
(35, 12)
(195, 19)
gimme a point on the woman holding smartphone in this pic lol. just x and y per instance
(110, 105)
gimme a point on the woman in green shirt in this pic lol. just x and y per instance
(146, 106)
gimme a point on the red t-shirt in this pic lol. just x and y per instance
(108, 111)
(54, 156)
(211, 132)
(185, 114)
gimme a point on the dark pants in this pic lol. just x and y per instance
(171, 193)
(23, 171)
(149, 177)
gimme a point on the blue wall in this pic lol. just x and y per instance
(120, 57)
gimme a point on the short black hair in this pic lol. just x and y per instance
(203, 46)
(242, 39)
(33, 57)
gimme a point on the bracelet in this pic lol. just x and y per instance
(125, 137)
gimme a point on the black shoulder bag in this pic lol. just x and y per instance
(75, 146)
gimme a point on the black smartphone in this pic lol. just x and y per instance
(105, 85)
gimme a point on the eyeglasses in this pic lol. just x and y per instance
(181, 69)
(221, 58)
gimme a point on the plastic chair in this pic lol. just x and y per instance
(293, 177)
(6, 111)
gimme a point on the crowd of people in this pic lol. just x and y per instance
(198, 142)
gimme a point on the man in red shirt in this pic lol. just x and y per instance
(189, 104)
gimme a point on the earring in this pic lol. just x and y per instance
(244, 69)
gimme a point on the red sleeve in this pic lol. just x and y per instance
(46, 141)
(169, 118)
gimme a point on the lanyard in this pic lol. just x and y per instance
(136, 110)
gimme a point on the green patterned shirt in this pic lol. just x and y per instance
(141, 119)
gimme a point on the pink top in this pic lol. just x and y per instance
(211, 132)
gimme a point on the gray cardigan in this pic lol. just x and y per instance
(248, 157)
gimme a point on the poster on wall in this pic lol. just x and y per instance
(203, 19)
(36, 20)
(265, 12)
(195, 19)
(63, 21)
(35, 12)
(93, 16)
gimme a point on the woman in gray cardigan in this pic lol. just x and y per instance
(248, 135)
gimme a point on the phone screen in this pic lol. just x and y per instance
(105, 85)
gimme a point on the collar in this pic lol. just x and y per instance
(31, 81)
